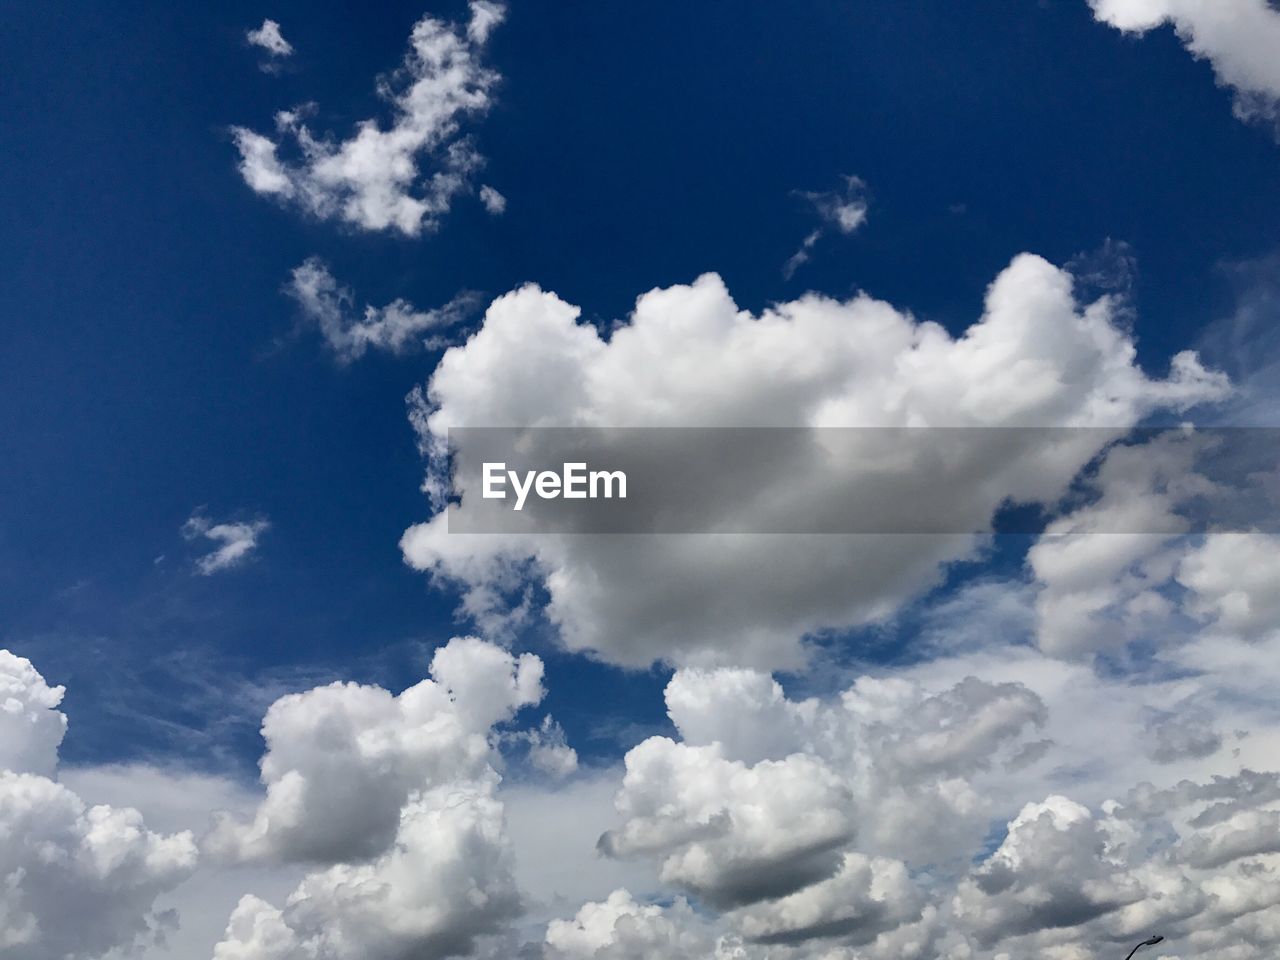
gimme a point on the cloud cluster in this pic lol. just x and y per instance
(401, 177)
(888, 761)
(1238, 37)
(236, 540)
(393, 798)
(58, 854)
(688, 356)
(397, 328)
(919, 812)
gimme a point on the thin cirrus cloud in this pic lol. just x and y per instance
(1239, 38)
(396, 328)
(401, 177)
(233, 541)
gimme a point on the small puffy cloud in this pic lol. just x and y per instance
(397, 328)
(56, 851)
(235, 540)
(493, 201)
(343, 760)
(401, 177)
(269, 38)
(1238, 37)
(689, 356)
(844, 211)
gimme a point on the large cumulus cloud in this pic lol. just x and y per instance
(395, 797)
(343, 759)
(688, 356)
(76, 881)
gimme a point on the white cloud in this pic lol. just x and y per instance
(269, 38)
(853, 825)
(1096, 589)
(688, 356)
(1234, 579)
(619, 928)
(493, 201)
(343, 760)
(1152, 578)
(864, 898)
(235, 540)
(1049, 872)
(549, 751)
(56, 850)
(445, 881)
(397, 796)
(31, 726)
(1238, 37)
(396, 328)
(845, 211)
(763, 796)
(1068, 877)
(403, 177)
(732, 833)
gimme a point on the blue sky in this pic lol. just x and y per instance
(158, 369)
(153, 364)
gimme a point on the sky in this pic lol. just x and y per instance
(257, 703)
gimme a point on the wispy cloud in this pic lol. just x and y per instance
(396, 328)
(844, 211)
(235, 541)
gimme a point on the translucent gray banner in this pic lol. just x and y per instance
(874, 480)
